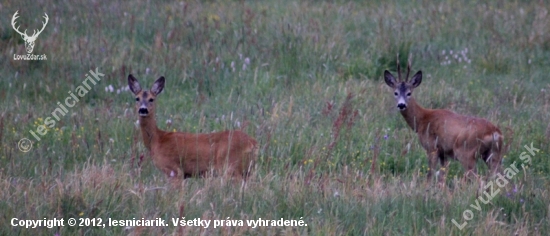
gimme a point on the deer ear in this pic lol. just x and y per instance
(158, 86)
(416, 79)
(133, 84)
(390, 80)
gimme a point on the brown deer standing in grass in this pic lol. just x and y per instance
(186, 154)
(444, 133)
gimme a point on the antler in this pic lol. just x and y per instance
(398, 69)
(15, 16)
(408, 67)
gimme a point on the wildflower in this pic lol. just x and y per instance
(214, 17)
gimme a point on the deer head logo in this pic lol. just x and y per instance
(29, 40)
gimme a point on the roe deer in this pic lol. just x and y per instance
(187, 154)
(444, 133)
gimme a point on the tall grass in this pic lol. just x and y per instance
(303, 78)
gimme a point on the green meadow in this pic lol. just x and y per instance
(305, 79)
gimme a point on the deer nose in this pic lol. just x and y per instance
(401, 106)
(143, 111)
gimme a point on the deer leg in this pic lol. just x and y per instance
(493, 159)
(468, 160)
(432, 163)
(443, 169)
(247, 164)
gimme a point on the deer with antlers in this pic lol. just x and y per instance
(443, 133)
(29, 40)
(187, 154)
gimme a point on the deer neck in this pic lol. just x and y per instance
(414, 114)
(149, 130)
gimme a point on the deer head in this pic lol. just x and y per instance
(402, 88)
(145, 99)
(29, 40)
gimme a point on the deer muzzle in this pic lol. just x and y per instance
(143, 111)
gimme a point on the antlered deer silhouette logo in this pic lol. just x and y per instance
(29, 40)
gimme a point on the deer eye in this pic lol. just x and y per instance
(395, 94)
(408, 94)
(137, 99)
(151, 100)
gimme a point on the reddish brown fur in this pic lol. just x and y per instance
(188, 154)
(443, 133)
